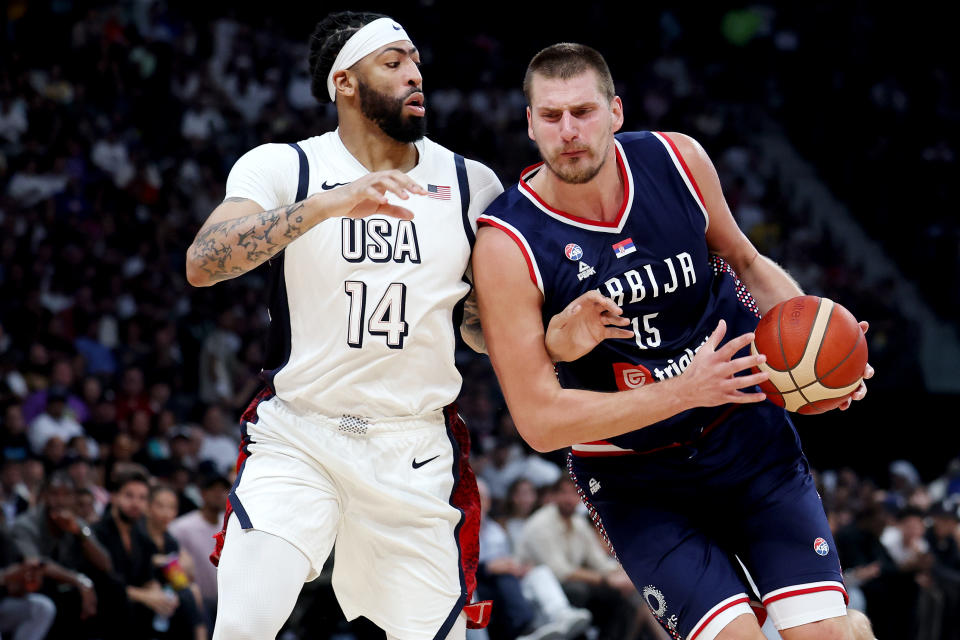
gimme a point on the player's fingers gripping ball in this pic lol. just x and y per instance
(816, 354)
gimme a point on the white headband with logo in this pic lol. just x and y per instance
(361, 44)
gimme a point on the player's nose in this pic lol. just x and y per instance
(414, 79)
(568, 126)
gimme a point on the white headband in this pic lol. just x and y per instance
(361, 44)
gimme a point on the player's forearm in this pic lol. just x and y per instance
(566, 417)
(229, 248)
(768, 282)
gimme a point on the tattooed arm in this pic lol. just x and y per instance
(239, 235)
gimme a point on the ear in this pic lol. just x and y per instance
(530, 124)
(616, 108)
(345, 82)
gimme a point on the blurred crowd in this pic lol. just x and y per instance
(121, 387)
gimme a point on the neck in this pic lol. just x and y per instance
(374, 149)
(210, 513)
(600, 199)
(155, 530)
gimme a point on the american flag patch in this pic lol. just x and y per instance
(438, 192)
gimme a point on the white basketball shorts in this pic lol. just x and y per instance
(396, 500)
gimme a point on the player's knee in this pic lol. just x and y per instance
(248, 628)
(860, 625)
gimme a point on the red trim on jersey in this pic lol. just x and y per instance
(718, 612)
(686, 169)
(603, 454)
(516, 239)
(800, 592)
(597, 223)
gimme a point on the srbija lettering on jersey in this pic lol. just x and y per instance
(652, 260)
(362, 321)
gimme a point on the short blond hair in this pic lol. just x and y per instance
(568, 60)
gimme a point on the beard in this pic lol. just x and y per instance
(578, 173)
(387, 113)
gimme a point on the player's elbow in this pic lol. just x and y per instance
(537, 434)
(196, 276)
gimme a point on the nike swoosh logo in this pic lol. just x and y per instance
(417, 465)
(396, 28)
(327, 187)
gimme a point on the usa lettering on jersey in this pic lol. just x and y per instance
(373, 239)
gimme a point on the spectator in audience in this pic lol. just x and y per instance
(173, 566)
(531, 605)
(69, 550)
(194, 532)
(25, 614)
(521, 501)
(511, 458)
(54, 422)
(145, 600)
(217, 446)
(559, 536)
(943, 538)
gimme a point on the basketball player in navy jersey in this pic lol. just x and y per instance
(686, 471)
(354, 441)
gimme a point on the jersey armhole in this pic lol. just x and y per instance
(685, 174)
(521, 242)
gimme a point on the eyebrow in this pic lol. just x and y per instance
(409, 52)
(570, 107)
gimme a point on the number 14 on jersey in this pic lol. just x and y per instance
(387, 319)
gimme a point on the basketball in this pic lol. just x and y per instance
(816, 354)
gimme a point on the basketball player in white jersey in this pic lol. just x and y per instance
(368, 230)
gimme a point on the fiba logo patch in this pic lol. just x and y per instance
(655, 600)
(573, 251)
(821, 547)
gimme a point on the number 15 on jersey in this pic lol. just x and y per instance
(387, 319)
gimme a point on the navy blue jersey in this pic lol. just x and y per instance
(653, 261)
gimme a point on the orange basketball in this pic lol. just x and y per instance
(816, 353)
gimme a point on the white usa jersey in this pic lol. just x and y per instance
(363, 310)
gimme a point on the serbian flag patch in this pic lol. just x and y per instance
(624, 248)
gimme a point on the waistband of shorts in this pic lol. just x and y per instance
(362, 425)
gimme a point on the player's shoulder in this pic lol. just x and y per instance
(268, 155)
(479, 175)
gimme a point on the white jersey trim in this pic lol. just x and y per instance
(518, 238)
(686, 178)
(532, 196)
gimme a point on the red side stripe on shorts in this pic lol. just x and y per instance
(716, 613)
(249, 415)
(800, 592)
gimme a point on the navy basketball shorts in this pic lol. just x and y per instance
(684, 523)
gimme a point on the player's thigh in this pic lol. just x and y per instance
(284, 488)
(837, 628)
(259, 579)
(406, 546)
(743, 627)
(689, 582)
(786, 544)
